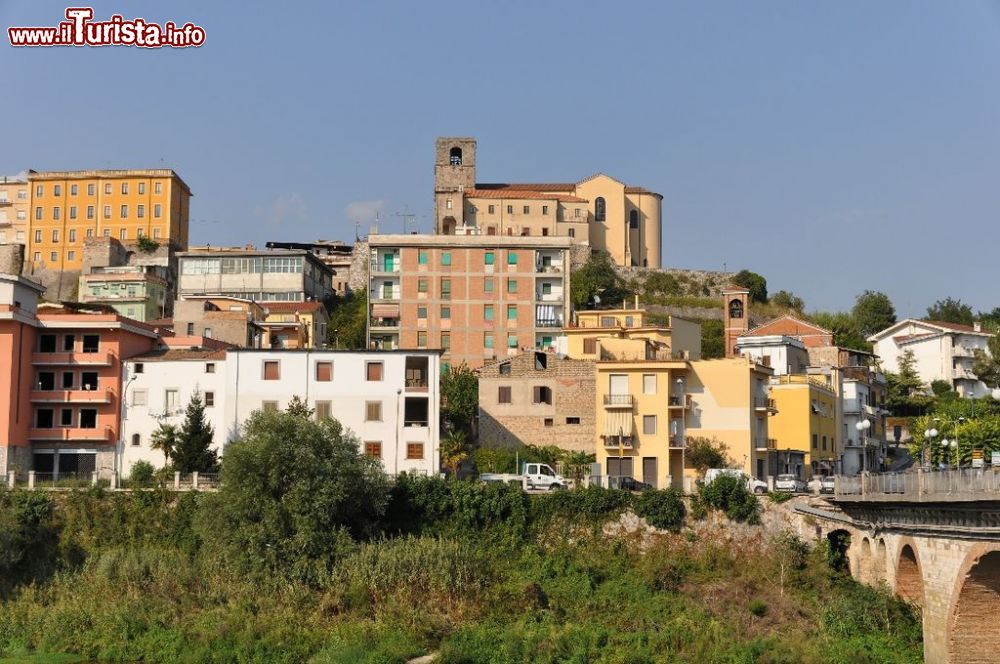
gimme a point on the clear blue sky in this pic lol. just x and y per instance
(832, 146)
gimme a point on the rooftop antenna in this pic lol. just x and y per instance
(408, 218)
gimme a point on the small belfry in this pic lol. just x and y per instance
(735, 315)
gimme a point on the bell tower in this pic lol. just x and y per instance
(454, 173)
(735, 316)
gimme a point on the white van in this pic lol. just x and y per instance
(752, 483)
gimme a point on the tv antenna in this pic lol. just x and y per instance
(409, 220)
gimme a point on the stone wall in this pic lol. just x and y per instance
(357, 277)
(11, 258)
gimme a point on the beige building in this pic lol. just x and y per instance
(475, 297)
(232, 320)
(336, 255)
(15, 206)
(276, 275)
(600, 211)
(537, 398)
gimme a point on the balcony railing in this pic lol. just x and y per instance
(677, 441)
(764, 444)
(73, 396)
(764, 403)
(415, 422)
(954, 484)
(619, 400)
(102, 434)
(103, 358)
(416, 384)
(961, 351)
(679, 401)
(6, 202)
(548, 297)
(382, 268)
(391, 323)
(612, 442)
(966, 374)
(548, 322)
(548, 269)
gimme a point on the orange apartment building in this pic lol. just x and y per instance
(60, 401)
(66, 207)
(474, 297)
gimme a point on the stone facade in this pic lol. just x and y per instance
(11, 258)
(567, 422)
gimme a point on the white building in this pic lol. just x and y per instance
(943, 351)
(389, 399)
(786, 355)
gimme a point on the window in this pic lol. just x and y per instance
(649, 425)
(107, 232)
(158, 188)
(572, 420)
(735, 309)
(373, 449)
(90, 212)
(207, 333)
(373, 371)
(124, 187)
(88, 380)
(324, 372)
(72, 235)
(511, 312)
(824, 443)
(142, 187)
(414, 450)
(269, 406)
(542, 394)
(445, 289)
(156, 233)
(44, 418)
(526, 209)
(210, 367)
(815, 441)
(446, 341)
(136, 440)
(488, 285)
(488, 312)
(39, 190)
(373, 411)
(69, 341)
(421, 312)
(55, 213)
(503, 394)
(272, 370)
(46, 380)
(422, 285)
(190, 329)
(446, 258)
(209, 399)
(510, 209)
(91, 343)
(123, 234)
(107, 214)
(546, 288)
(55, 236)
(90, 189)
(545, 209)
(487, 340)
(157, 211)
(512, 285)
(511, 341)
(489, 258)
(505, 369)
(511, 258)
(123, 212)
(139, 398)
(600, 209)
(57, 190)
(422, 257)
(323, 409)
(633, 219)
(548, 421)
(38, 236)
(37, 256)
(649, 383)
(66, 417)
(590, 345)
(421, 339)
(140, 211)
(492, 209)
(72, 212)
(67, 380)
(54, 256)
(448, 203)
(107, 188)
(38, 215)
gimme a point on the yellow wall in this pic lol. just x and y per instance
(14, 212)
(50, 213)
(795, 425)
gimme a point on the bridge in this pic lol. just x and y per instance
(933, 538)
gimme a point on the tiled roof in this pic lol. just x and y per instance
(181, 354)
(522, 193)
(528, 186)
(291, 307)
(161, 322)
(958, 327)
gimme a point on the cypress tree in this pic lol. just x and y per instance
(194, 451)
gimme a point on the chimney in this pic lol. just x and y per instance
(977, 326)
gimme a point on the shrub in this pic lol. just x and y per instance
(142, 473)
(780, 496)
(592, 504)
(758, 607)
(661, 509)
(730, 495)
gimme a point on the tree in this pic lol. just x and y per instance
(713, 341)
(949, 310)
(705, 453)
(348, 324)
(986, 365)
(788, 300)
(454, 451)
(299, 408)
(846, 332)
(164, 439)
(753, 282)
(193, 452)
(295, 492)
(460, 398)
(906, 393)
(597, 283)
(873, 312)
(942, 389)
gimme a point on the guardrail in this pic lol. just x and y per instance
(922, 485)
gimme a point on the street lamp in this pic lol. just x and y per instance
(929, 436)
(949, 447)
(863, 426)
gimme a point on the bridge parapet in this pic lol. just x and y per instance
(921, 486)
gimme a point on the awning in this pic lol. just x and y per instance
(385, 310)
(618, 421)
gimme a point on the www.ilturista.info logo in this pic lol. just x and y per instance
(80, 30)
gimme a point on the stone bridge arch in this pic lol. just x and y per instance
(909, 573)
(974, 630)
(865, 565)
(881, 562)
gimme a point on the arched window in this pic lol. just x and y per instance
(600, 209)
(136, 440)
(455, 158)
(633, 219)
(736, 309)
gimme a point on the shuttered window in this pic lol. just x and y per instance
(324, 371)
(373, 411)
(272, 370)
(590, 346)
(503, 394)
(374, 371)
(414, 450)
(373, 449)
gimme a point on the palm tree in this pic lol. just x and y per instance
(454, 451)
(164, 439)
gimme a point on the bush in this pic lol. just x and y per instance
(661, 509)
(730, 495)
(758, 607)
(780, 496)
(142, 473)
(592, 504)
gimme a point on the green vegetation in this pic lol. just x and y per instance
(147, 244)
(308, 554)
(460, 399)
(348, 325)
(753, 282)
(950, 310)
(730, 496)
(704, 453)
(596, 285)
(193, 452)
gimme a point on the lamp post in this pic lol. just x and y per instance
(929, 436)
(949, 447)
(863, 426)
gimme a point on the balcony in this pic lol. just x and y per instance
(764, 404)
(102, 435)
(612, 442)
(384, 266)
(961, 373)
(5, 202)
(549, 322)
(548, 297)
(764, 444)
(384, 323)
(677, 442)
(102, 358)
(961, 351)
(548, 269)
(618, 401)
(73, 396)
(679, 401)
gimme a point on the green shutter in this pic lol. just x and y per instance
(489, 258)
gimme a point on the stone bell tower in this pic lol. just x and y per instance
(735, 316)
(454, 173)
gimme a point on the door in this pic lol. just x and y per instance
(760, 469)
(619, 467)
(387, 262)
(649, 471)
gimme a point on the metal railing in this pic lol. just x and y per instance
(618, 400)
(923, 485)
(764, 402)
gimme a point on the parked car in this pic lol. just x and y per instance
(822, 484)
(752, 483)
(789, 483)
(632, 484)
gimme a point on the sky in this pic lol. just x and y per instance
(831, 146)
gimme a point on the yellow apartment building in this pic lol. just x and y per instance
(804, 430)
(66, 207)
(599, 211)
(15, 203)
(679, 339)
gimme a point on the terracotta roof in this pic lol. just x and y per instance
(958, 327)
(161, 322)
(181, 354)
(291, 307)
(734, 287)
(522, 193)
(529, 186)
